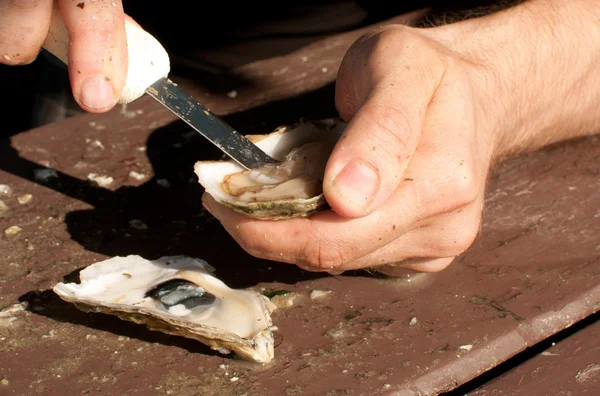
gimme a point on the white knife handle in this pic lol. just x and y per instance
(148, 60)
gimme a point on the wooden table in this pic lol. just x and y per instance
(533, 272)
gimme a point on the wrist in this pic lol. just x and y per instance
(533, 68)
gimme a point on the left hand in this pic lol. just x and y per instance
(406, 181)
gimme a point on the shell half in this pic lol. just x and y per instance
(177, 295)
(291, 189)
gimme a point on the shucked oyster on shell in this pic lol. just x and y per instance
(290, 189)
(177, 295)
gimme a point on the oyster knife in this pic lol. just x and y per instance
(230, 141)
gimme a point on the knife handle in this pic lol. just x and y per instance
(148, 60)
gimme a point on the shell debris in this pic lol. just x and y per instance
(97, 143)
(44, 175)
(138, 224)
(101, 180)
(316, 294)
(137, 176)
(9, 315)
(13, 230)
(25, 198)
(164, 183)
(5, 190)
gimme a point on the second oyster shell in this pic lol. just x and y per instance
(177, 295)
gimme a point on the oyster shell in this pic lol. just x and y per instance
(287, 190)
(177, 295)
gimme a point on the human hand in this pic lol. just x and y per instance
(406, 181)
(97, 49)
(429, 111)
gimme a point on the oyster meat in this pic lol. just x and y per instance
(177, 295)
(292, 188)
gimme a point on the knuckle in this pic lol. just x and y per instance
(323, 255)
(457, 242)
(419, 53)
(463, 240)
(465, 187)
(394, 36)
(454, 191)
(401, 38)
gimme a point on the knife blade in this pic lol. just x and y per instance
(148, 70)
(231, 142)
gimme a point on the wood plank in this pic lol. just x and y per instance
(534, 271)
(571, 367)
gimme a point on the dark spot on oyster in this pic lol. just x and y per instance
(178, 291)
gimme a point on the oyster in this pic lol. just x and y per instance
(292, 188)
(177, 295)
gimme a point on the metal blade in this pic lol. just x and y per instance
(231, 142)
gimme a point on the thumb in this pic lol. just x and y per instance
(369, 161)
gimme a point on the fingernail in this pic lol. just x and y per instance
(357, 183)
(97, 93)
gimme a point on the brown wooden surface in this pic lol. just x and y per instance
(569, 368)
(534, 270)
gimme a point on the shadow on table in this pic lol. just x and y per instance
(153, 221)
(47, 303)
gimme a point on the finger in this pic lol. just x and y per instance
(97, 52)
(23, 28)
(444, 176)
(368, 163)
(325, 240)
(429, 248)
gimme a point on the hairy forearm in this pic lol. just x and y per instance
(540, 70)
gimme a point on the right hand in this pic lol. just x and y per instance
(97, 44)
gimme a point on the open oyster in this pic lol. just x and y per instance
(290, 189)
(177, 295)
